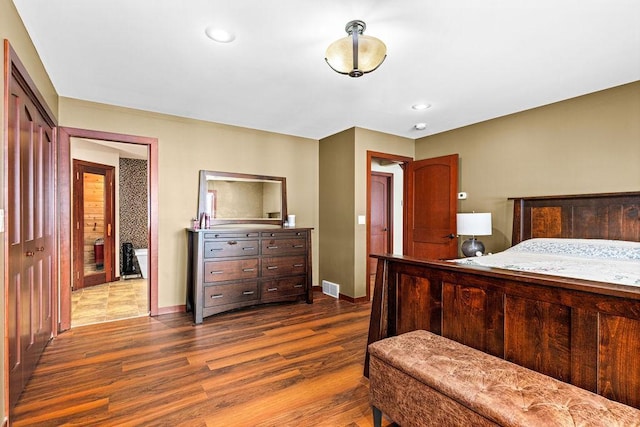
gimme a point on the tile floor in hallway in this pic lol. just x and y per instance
(109, 301)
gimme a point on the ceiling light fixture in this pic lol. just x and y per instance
(420, 106)
(420, 126)
(219, 35)
(356, 54)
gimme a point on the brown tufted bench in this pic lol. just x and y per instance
(423, 379)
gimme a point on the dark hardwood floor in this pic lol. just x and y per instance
(277, 365)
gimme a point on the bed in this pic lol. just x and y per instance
(581, 329)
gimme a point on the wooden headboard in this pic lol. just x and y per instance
(613, 216)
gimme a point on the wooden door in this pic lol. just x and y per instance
(381, 218)
(93, 219)
(431, 204)
(31, 208)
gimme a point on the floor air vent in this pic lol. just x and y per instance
(331, 289)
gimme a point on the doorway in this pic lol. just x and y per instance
(93, 220)
(385, 208)
(149, 223)
(381, 194)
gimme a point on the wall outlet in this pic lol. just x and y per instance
(462, 195)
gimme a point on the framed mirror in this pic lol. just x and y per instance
(236, 198)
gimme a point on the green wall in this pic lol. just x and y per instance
(589, 144)
(343, 196)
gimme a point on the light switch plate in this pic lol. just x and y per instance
(1, 220)
(361, 219)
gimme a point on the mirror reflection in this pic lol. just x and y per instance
(240, 198)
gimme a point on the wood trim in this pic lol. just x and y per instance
(353, 300)
(64, 178)
(109, 273)
(5, 197)
(172, 309)
(387, 156)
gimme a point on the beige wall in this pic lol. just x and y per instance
(12, 29)
(186, 146)
(336, 210)
(588, 144)
(343, 196)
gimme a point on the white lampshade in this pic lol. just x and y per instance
(474, 224)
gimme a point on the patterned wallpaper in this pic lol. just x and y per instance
(133, 202)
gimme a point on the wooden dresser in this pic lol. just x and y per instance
(238, 267)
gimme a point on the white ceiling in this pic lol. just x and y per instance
(472, 60)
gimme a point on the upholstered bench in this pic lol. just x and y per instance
(423, 379)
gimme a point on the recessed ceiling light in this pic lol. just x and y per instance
(420, 106)
(420, 126)
(219, 35)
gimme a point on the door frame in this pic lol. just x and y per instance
(388, 177)
(64, 190)
(109, 274)
(403, 160)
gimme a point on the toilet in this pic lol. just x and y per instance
(141, 255)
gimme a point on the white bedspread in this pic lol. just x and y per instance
(611, 261)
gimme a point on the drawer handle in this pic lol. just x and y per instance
(297, 286)
(247, 270)
(248, 249)
(298, 246)
(272, 247)
(232, 242)
(216, 296)
(298, 265)
(248, 293)
(217, 272)
(272, 289)
(272, 267)
(217, 249)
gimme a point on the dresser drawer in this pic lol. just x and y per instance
(229, 235)
(281, 288)
(283, 246)
(229, 294)
(230, 248)
(283, 266)
(220, 271)
(284, 234)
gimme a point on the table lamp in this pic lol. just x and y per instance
(473, 224)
